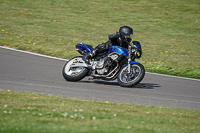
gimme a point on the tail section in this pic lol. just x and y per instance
(83, 48)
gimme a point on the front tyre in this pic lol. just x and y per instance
(137, 73)
(74, 73)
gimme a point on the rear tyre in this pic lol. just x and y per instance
(126, 79)
(74, 74)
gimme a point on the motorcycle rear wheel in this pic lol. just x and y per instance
(126, 79)
(74, 74)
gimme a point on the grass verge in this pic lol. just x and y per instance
(29, 112)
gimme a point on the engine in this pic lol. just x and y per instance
(104, 64)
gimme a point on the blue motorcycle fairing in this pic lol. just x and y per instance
(131, 62)
(137, 43)
(83, 47)
(119, 50)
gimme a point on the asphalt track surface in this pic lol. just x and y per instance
(21, 71)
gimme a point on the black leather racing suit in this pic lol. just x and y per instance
(114, 40)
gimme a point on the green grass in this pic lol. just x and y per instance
(169, 30)
(28, 112)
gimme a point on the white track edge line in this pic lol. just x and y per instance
(172, 76)
(51, 57)
(27, 52)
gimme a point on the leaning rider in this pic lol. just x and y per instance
(121, 38)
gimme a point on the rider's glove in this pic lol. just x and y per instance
(122, 34)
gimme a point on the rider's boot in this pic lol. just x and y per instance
(89, 55)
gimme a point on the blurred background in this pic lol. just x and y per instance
(169, 30)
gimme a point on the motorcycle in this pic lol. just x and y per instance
(115, 63)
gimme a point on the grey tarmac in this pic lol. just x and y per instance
(22, 71)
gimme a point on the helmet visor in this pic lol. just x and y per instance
(129, 36)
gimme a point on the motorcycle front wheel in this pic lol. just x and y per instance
(136, 74)
(74, 73)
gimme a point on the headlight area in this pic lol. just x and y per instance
(137, 53)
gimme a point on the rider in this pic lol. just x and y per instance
(121, 38)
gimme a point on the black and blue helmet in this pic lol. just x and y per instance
(126, 34)
(126, 30)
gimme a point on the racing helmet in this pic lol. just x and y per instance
(126, 33)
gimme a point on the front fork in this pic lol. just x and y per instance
(129, 59)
